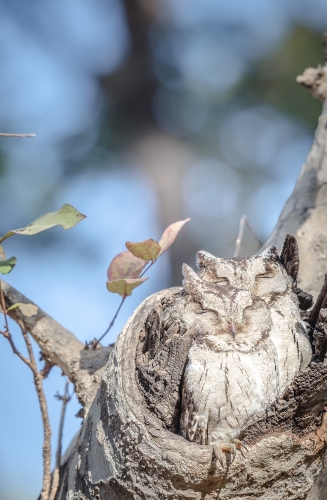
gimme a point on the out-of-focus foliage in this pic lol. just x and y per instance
(273, 80)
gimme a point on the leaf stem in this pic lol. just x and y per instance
(111, 323)
(147, 268)
(96, 342)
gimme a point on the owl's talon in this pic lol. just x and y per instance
(230, 448)
(240, 445)
(218, 455)
(233, 452)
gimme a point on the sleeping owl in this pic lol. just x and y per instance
(250, 342)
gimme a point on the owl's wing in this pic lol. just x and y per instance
(222, 390)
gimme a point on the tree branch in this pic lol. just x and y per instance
(305, 215)
(55, 477)
(83, 367)
(22, 136)
(44, 414)
(305, 212)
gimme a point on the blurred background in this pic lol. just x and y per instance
(145, 112)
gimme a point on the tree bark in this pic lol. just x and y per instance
(129, 446)
(304, 214)
(131, 455)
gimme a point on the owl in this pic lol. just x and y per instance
(250, 342)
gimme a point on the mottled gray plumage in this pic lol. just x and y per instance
(250, 344)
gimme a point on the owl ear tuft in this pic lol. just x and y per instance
(290, 256)
(191, 282)
(204, 259)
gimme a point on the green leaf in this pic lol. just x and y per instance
(146, 250)
(66, 217)
(27, 309)
(6, 266)
(125, 265)
(14, 306)
(124, 287)
(170, 234)
(2, 253)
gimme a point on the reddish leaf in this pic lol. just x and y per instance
(124, 287)
(170, 234)
(146, 250)
(125, 265)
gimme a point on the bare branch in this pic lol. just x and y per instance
(8, 336)
(244, 222)
(44, 414)
(55, 476)
(239, 236)
(22, 136)
(83, 367)
(48, 365)
(250, 228)
(6, 332)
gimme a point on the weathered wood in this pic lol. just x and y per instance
(162, 352)
(125, 451)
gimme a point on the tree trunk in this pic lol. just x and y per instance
(130, 445)
(125, 452)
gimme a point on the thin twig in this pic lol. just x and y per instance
(244, 221)
(252, 232)
(31, 363)
(95, 343)
(6, 333)
(48, 365)
(44, 414)
(2, 134)
(8, 336)
(55, 476)
(239, 236)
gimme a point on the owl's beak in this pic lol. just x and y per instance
(232, 328)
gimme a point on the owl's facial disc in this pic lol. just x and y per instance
(242, 332)
(228, 315)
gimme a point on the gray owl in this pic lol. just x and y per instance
(250, 343)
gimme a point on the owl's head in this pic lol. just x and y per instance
(234, 297)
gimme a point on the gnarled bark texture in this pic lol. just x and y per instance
(126, 450)
(130, 446)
